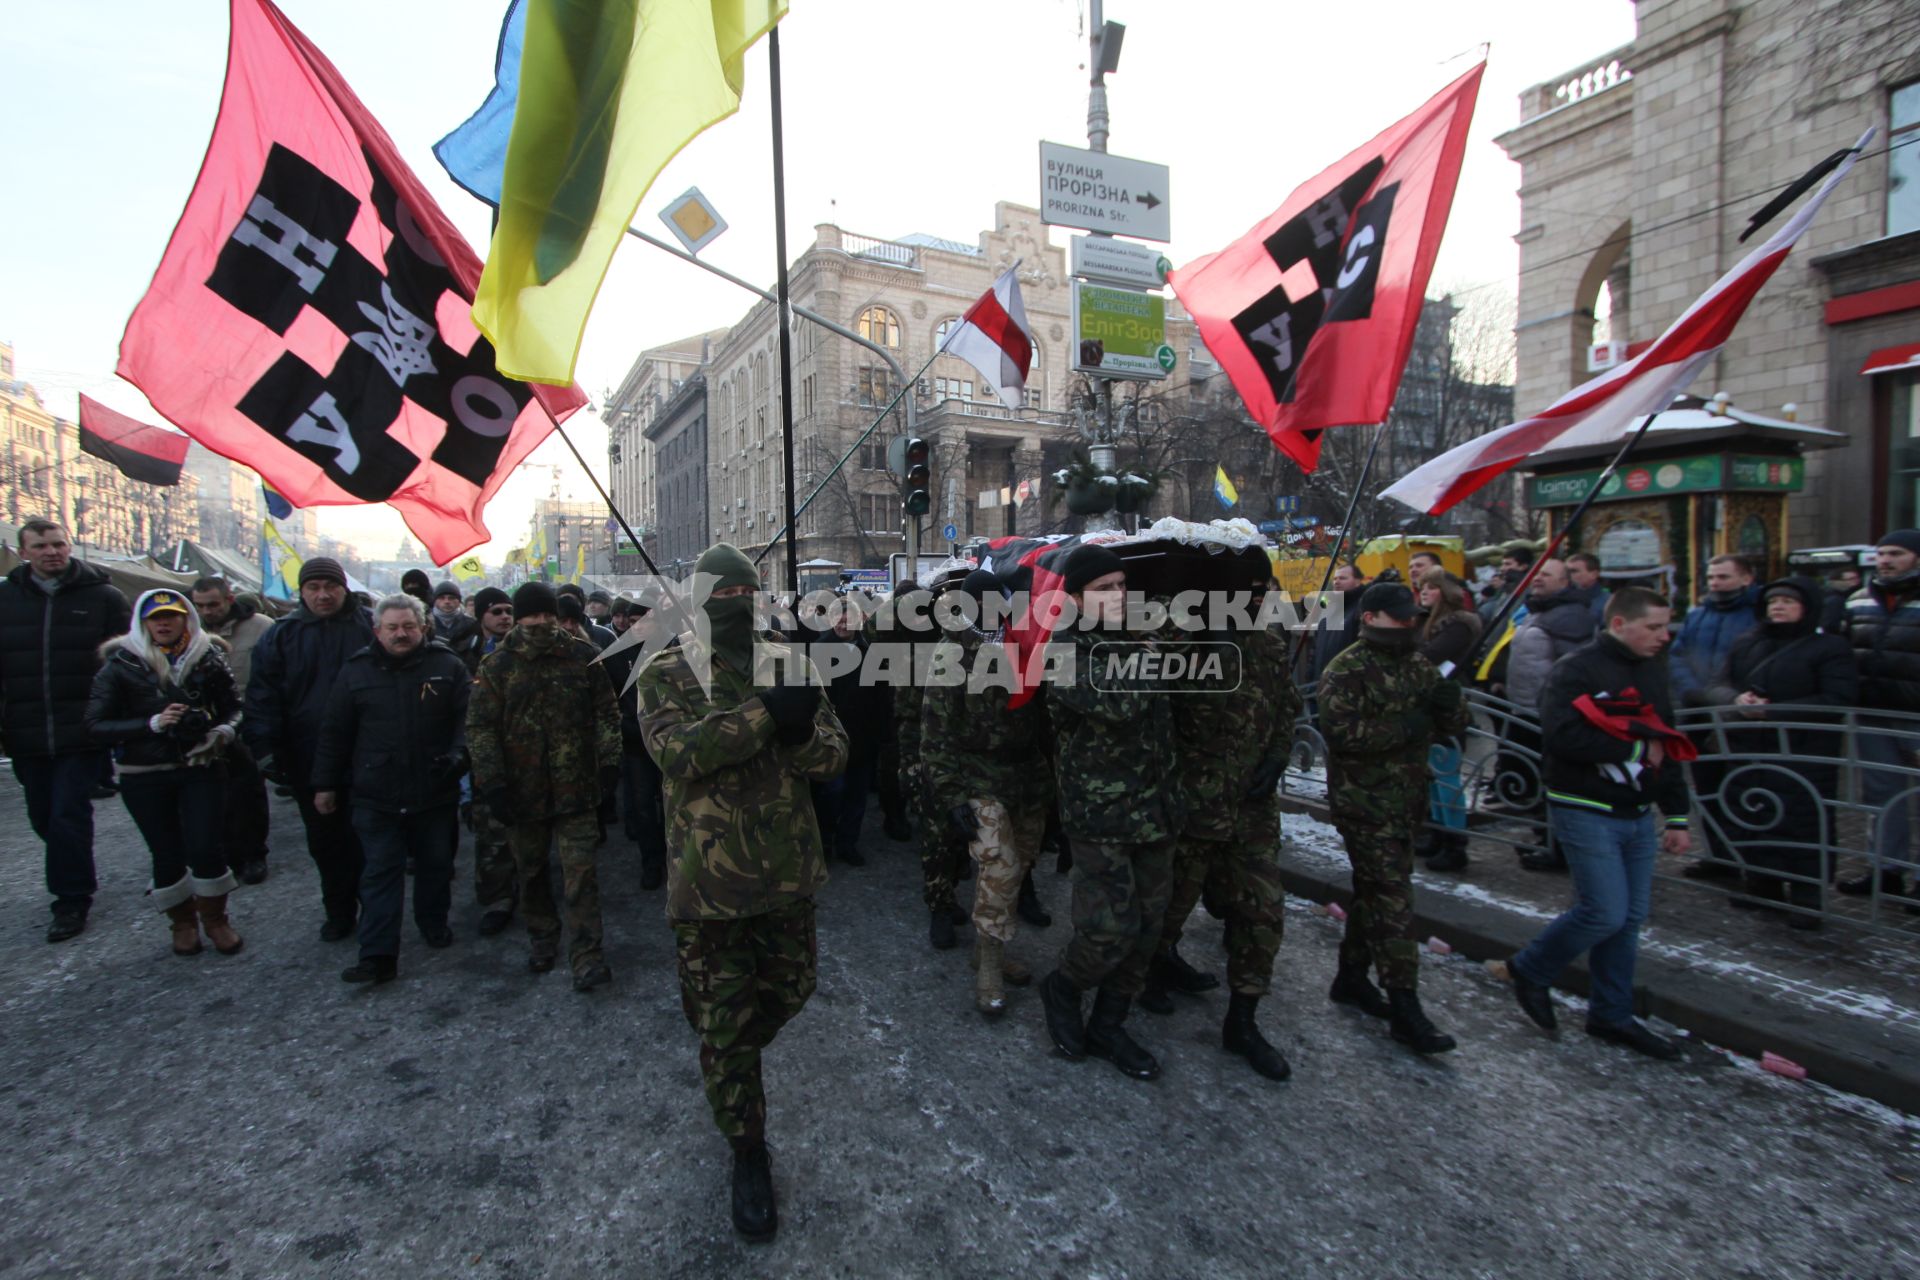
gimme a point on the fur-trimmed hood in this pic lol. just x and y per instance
(137, 644)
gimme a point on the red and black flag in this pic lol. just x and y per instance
(1312, 312)
(311, 315)
(150, 455)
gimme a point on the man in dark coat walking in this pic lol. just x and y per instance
(395, 732)
(294, 668)
(55, 612)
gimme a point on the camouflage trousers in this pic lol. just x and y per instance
(1119, 902)
(1240, 880)
(496, 877)
(1380, 922)
(742, 980)
(943, 851)
(1005, 850)
(572, 837)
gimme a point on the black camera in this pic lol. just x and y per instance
(190, 727)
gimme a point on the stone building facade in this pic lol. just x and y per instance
(632, 408)
(898, 294)
(677, 438)
(1640, 170)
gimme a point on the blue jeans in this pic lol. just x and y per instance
(1612, 863)
(1890, 790)
(388, 838)
(60, 810)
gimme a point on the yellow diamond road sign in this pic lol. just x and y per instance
(694, 221)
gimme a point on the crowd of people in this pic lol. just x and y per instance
(740, 762)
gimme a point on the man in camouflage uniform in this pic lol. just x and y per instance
(744, 851)
(942, 849)
(1382, 706)
(989, 778)
(1120, 804)
(496, 881)
(544, 735)
(1235, 732)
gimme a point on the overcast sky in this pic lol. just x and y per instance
(901, 116)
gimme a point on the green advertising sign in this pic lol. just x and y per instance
(1120, 333)
(1769, 475)
(1634, 480)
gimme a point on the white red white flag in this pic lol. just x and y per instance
(995, 338)
(1606, 408)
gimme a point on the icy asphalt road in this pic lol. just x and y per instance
(254, 1116)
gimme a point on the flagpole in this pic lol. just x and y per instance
(1492, 632)
(1346, 524)
(785, 314)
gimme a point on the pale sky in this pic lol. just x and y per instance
(900, 116)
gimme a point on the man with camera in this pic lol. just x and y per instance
(395, 732)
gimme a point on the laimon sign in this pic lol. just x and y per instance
(1120, 333)
(1708, 473)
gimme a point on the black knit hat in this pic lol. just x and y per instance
(416, 583)
(1086, 563)
(448, 588)
(1905, 539)
(487, 597)
(532, 598)
(569, 609)
(322, 569)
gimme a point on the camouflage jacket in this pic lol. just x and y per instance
(542, 724)
(741, 833)
(1373, 702)
(1225, 737)
(972, 742)
(908, 699)
(1114, 750)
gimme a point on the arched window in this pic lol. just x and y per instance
(879, 325)
(944, 328)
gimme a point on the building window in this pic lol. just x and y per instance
(946, 327)
(1903, 448)
(806, 396)
(880, 326)
(1903, 162)
(873, 456)
(952, 389)
(880, 513)
(875, 386)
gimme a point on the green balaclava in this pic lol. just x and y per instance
(730, 619)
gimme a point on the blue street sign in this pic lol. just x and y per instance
(950, 532)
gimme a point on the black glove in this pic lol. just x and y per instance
(1265, 778)
(792, 707)
(964, 820)
(1445, 698)
(446, 769)
(1418, 726)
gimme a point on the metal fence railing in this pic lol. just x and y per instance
(1790, 800)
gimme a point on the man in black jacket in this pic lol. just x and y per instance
(294, 668)
(55, 612)
(1611, 756)
(395, 731)
(1883, 623)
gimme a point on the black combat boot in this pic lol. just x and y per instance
(754, 1214)
(1155, 998)
(1107, 1037)
(1030, 909)
(372, 969)
(1241, 1035)
(1411, 1026)
(1450, 854)
(940, 929)
(1352, 987)
(1061, 1001)
(1861, 885)
(1169, 970)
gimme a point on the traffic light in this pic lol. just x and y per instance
(919, 498)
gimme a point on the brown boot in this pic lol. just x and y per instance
(213, 918)
(186, 928)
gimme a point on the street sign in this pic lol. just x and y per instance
(1120, 333)
(1287, 502)
(1121, 262)
(694, 221)
(1023, 492)
(897, 457)
(950, 532)
(1098, 192)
